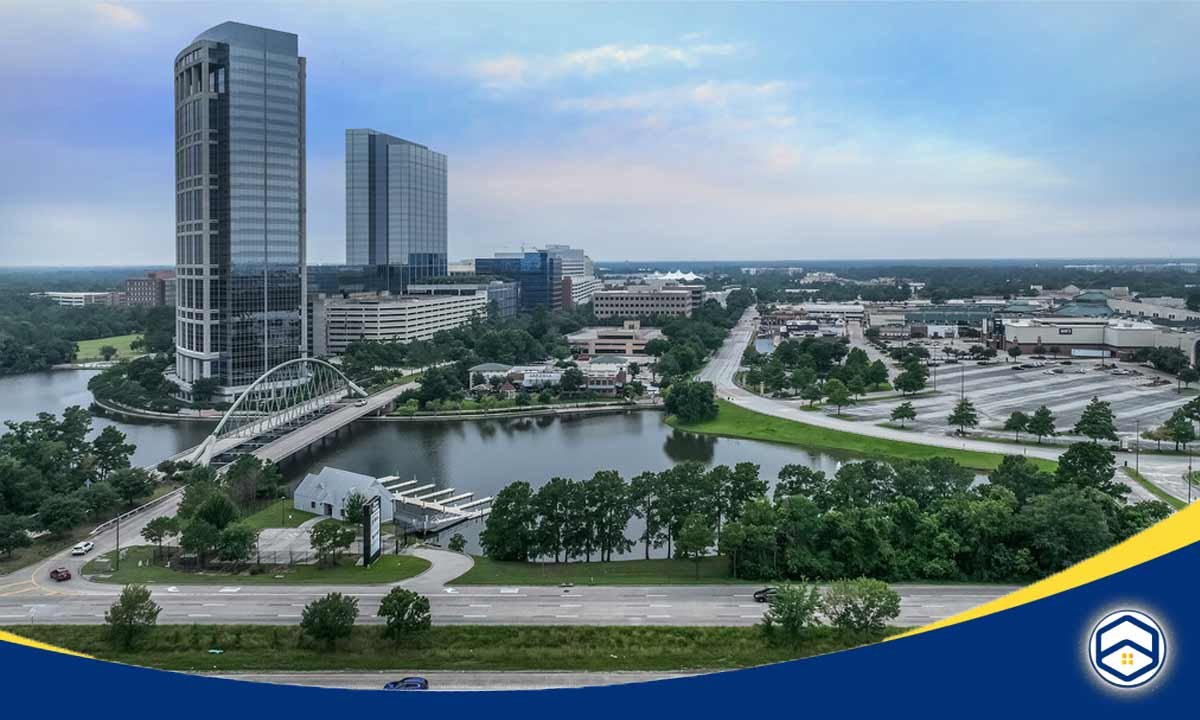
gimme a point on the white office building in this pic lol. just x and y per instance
(338, 321)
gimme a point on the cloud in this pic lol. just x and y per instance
(509, 71)
(708, 94)
(121, 16)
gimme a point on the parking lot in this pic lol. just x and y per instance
(998, 390)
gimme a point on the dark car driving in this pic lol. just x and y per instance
(765, 595)
(408, 683)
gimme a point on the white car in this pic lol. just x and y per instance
(83, 548)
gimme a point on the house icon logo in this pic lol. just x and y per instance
(1127, 648)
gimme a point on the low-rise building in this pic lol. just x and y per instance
(325, 493)
(504, 294)
(336, 322)
(579, 289)
(79, 299)
(1095, 337)
(629, 339)
(153, 290)
(1161, 310)
(490, 370)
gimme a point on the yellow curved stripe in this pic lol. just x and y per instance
(18, 640)
(1178, 531)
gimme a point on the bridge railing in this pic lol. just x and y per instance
(136, 511)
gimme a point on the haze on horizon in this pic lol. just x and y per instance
(649, 132)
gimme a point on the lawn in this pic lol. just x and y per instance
(713, 570)
(453, 647)
(387, 569)
(1154, 490)
(279, 514)
(89, 350)
(734, 421)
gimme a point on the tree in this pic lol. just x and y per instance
(695, 538)
(1097, 421)
(611, 506)
(643, 491)
(1014, 352)
(330, 618)
(131, 616)
(237, 543)
(812, 393)
(12, 534)
(203, 389)
(572, 379)
(837, 394)
(1188, 375)
(1179, 429)
(1041, 424)
(60, 513)
(110, 451)
(856, 386)
(550, 504)
(912, 378)
(405, 612)
(509, 531)
(1090, 465)
(108, 352)
(217, 510)
(862, 605)
(744, 484)
(692, 401)
(877, 374)
(250, 479)
(457, 543)
(200, 538)
(794, 609)
(903, 411)
(159, 529)
(330, 540)
(98, 498)
(963, 416)
(1016, 424)
(132, 485)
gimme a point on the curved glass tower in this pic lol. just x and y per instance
(240, 208)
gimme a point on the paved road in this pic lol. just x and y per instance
(1166, 471)
(455, 680)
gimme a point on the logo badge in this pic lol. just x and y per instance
(1127, 648)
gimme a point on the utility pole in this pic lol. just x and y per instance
(117, 559)
(1137, 446)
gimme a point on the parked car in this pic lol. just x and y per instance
(766, 594)
(83, 548)
(408, 683)
(60, 574)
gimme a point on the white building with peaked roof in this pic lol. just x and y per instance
(325, 493)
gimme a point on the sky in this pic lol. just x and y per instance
(648, 132)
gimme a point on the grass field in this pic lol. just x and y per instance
(734, 421)
(712, 571)
(459, 647)
(89, 350)
(279, 514)
(387, 569)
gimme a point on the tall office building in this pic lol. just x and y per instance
(240, 205)
(395, 206)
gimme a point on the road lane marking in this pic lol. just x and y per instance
(287, 615)
(199, 615)
(479, 606)
(570, 605)
(657, 617)
(474, 616)
(659, 605)
(567, 617)
(229, 589)
(509, 591)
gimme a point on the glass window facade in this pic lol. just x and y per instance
(395, 205)
(240, 203)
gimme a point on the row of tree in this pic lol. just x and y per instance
(907, 520)
(567, 519)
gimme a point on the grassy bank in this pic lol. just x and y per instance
(387, 569)
(1154, 490)
(279, 514)
(90, 349)
(459, 647)
(737, 422)
(713, 570)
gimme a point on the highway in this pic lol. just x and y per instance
(455, 679)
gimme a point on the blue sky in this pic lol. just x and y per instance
(642, 131)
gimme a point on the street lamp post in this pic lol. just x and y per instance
(282, 510)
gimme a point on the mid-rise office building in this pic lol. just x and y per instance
(239, 205)
(336, 322)
(629, 339)
(538, 272)
(395, 206)
(578, 289)
(647, 300)
(79, 299)
(153, 290)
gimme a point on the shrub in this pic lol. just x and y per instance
(330, 618)
(131, 616)
(862, 605)
(406, 613)
(793, 610)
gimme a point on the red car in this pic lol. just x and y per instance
(60, 574)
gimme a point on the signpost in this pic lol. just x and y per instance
(372, 524)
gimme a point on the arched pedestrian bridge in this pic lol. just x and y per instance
(289, 408)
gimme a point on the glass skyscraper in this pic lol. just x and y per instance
(240, 204)
(395, 205)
